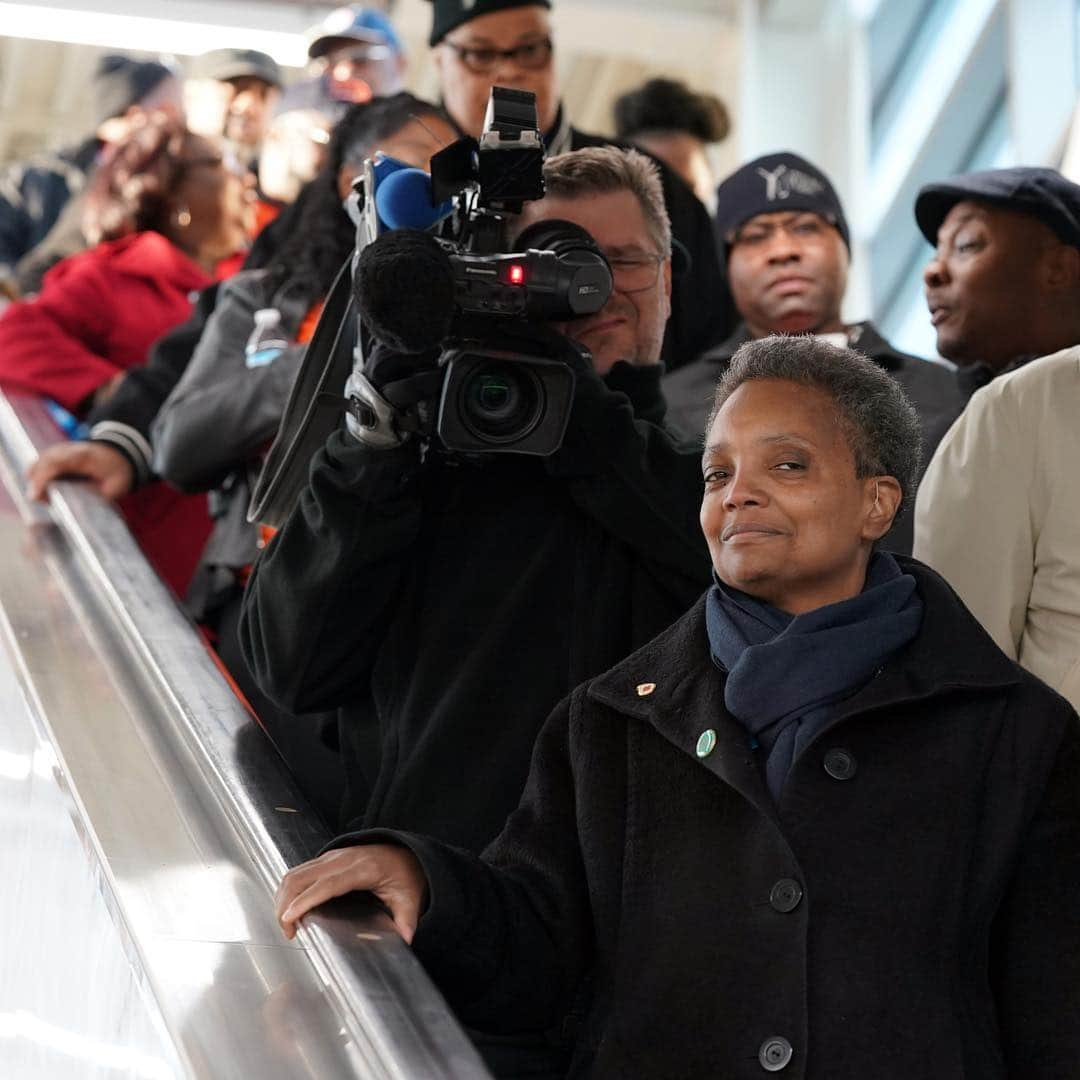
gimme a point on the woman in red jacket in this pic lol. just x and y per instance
(167, 208)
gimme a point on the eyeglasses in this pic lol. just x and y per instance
(634, 273)
(481, 60)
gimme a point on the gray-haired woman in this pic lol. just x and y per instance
(821, 826)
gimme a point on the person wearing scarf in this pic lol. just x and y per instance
(821, 826)
(786, 673)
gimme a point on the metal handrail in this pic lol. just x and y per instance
(387, 1007)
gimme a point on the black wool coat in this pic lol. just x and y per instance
(907, 911)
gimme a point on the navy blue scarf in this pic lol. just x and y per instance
(786, 672)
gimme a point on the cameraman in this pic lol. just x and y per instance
(444, 604)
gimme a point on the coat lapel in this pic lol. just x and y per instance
(673, 685)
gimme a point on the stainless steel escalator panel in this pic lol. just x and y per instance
(188, 817)
(72, 1006)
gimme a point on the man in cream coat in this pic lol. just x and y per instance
(998, 514)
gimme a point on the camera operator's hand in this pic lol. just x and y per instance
(107, 469)
(393, 874)
(390, 399)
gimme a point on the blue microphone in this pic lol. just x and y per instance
(403, 201)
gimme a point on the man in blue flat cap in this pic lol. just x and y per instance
(1003, 285)
(998, 510)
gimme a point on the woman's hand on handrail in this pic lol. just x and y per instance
(107, 469)
(393, 874)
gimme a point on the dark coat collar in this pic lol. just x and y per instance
(951, 651)
(862, 336)
(975, 376)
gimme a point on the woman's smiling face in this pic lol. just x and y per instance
(785, 516)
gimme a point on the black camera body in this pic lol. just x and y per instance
(493, 400)
(504, 388)
(503, 382)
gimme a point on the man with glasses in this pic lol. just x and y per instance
(445, 603)
(485, 43)
(787, 247)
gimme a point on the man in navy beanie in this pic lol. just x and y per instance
(786, 242)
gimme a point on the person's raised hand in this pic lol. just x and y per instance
(393, 874)
(105, 467)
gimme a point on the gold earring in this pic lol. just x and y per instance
(183, 217)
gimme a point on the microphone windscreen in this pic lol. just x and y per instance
(404, 286)
(403, 201)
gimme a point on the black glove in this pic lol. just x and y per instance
(390, 396)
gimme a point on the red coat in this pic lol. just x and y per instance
(97, 314)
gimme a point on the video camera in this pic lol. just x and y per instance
(432, 273)
(504, 382)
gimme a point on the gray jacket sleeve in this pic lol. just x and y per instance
(222, 412)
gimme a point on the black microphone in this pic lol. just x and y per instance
(404, 288)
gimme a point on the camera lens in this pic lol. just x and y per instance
(501, 402)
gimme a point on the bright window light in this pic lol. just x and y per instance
(144, 33)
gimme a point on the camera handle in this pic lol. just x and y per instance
(383, 420)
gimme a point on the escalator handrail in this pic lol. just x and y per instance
(387, 1004)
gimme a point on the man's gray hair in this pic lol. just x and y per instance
(878, 420)
(597, 170)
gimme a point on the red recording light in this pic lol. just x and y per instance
(516, 274)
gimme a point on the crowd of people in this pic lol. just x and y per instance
(737, 735)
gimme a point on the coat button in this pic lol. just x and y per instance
(840, 764)
(775, 1054)
(706, 743)
(645, 689)
(785, 895)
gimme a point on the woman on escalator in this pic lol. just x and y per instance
(166, 209)
(822, 826)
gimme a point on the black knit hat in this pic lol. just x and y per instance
(1043, 193)
(120, 82)
(774, 183)
(451, 13)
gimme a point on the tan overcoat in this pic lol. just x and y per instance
(998, 515)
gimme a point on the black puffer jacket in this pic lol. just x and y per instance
(445, 607)
(907, 911)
